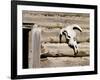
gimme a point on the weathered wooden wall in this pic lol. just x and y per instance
(52, 50)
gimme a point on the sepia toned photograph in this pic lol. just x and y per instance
(55, 39)
(52, 39)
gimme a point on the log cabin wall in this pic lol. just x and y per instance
(53, 53)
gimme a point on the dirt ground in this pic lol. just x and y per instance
(50, 24)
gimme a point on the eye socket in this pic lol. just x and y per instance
(66, 34)
(69, 37)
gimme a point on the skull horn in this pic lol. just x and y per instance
(75, 26)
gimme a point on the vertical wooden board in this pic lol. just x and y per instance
(34, 51)
(30, 49)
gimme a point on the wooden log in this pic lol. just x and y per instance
(43, 20)
(61, 50)
(64, 61)
(52, 36)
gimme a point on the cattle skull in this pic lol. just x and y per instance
(70, 36)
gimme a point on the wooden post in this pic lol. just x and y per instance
(34, 60)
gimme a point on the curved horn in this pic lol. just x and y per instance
(75, 26)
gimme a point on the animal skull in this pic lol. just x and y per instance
(70, 35)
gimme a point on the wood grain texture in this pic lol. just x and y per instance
(53, 53)
(61, 50)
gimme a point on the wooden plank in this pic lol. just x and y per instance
(61, 50)
(34, 56)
